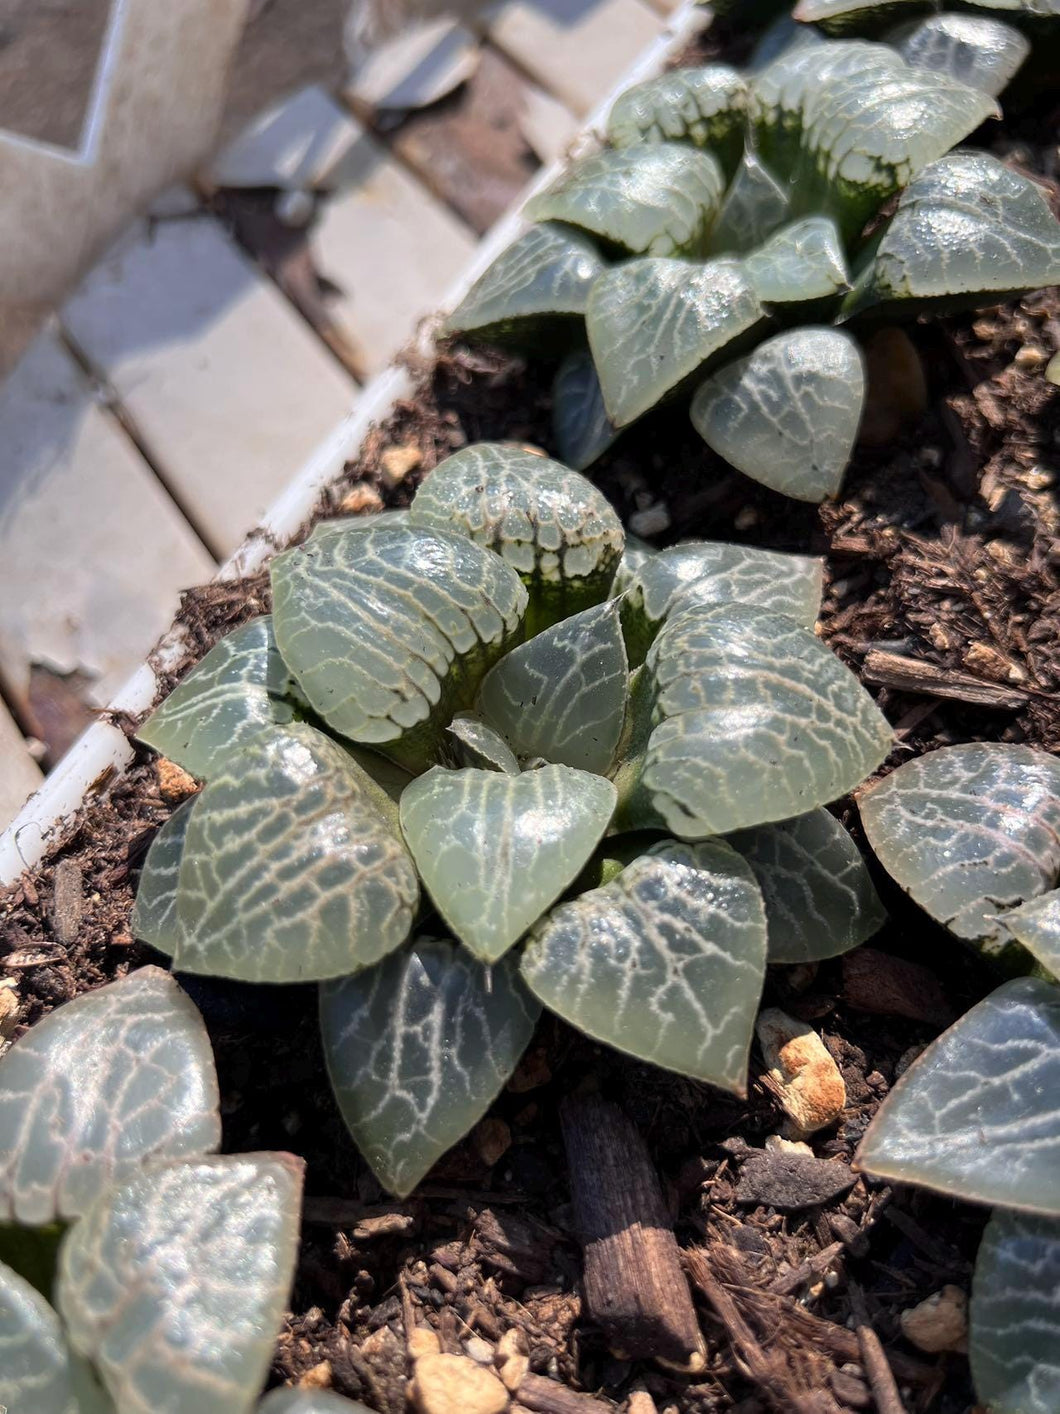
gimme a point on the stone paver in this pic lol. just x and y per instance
(577, 49)
(19, 773)
(228, 388)
(93, 553)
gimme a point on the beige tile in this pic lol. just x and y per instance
(19, 773)
(93, 553)
(227, 386)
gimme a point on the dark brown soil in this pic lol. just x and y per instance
(943, 550)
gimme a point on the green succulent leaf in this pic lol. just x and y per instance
(755, 205)
(174, 1284)
(99, 1089)
(636, 554)
(713, 572)
(665, 962)
(1014, 1336)
(238, 690)
(970, 831)
(495, 850)
(291, 872)
(704, 107)
(754, 720)
(802, 264)
(541, 280)
(819, 897)
(579, 419)
(154, 916)
(856, 16)
(653, 324)
(562, 696)
(479, 745)
(658, 199)
(38, 1373)
(787, 414)
(977, 1115)
(417, 1050)
(1036, 925)
(974, 49)
(310, 1401)
(548, 523)
(968, 230)
(389, 629)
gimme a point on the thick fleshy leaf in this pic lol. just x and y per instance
(579, 419)
(658, 199)
(864, 16)
(38, 1373)
(755, 721)
(100, 1088)
(970, 831)
(665, 962)
(479, 745)
(542, 279)
(1037, 926)
(636, 554)
(548, 523)
(310, 1401)
(653, 324)
(702, 106)
(495, 850)
(389, 630)
(562, 696)
(819, 897)
(713, 572)
(238, 690)
(967, 231)
(174, 1284)
(154, 913)
(787, 414)
(978, 1114)
(418, 1048)
(800, 265)
(755, 205)
(291, 871)
(1014, 1335)
(975, 49)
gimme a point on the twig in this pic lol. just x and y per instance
(813, 1266)
(874, 1358)
(915, 675)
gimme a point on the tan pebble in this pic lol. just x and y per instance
(788, 1146)
(939, 1323)
(422, 1342)
(174, 783)
(492, 1139)
(361, 499)
(512, 1358)
(453, 1384)
(396, 462)
(1029, 357)
(8, 1007)
(987, 660)
(319, 1377)
(641, 1402)
(479, 1350)
(381, 1343)
(810, 1087)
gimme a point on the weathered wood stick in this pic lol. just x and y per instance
(633, 1284)
(915, 675)
(544, 1396)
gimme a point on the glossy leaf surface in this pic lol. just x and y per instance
(1014, 1337)
(702, 106)
(37, 1372)
(754, 206)
(636, 553)
(654, 323)
(101, 1087)
(978, 1114)
(239, 689)
(562, 695)
(495, 850)
(480, 745)
(665, 962)
(1037, 926)
(756, 721)
(544, 275)
(291, 872)
(418, 1048)
(802, 263)
(819, 897)
(787, 414)
(309, 1401)
(161, 1267)
(154, 916)
(969, 831)
(654, 200)
(975, 49)
(389, 629)
(548, 523)
(579, 418)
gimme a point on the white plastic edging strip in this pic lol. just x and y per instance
(102, 751)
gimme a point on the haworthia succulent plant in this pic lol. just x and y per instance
(970, 831)
(154, 916)
(160, 1265)
(858, 16)
(240, 688)
(636, 553)
(754, 206)
(478, 744)
(801, 264)
(978, 1114)
(980, 51)
(1014, 1336)
(562, 696)
(579, 418)
(99, 1089)
(550, 524)
(38, 1372)
(788, 413)
(665, 962)
(388, 630)
(818, 894)
(418, 1048)
(510, 846)
(1036, 924)
(290, 871)
(702, 106)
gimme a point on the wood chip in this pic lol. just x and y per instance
(791, 1182)
(67, 901)
(914, 675)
